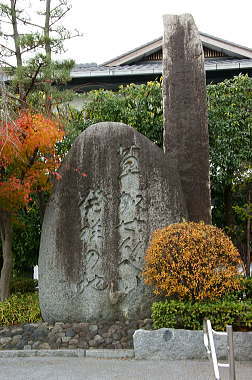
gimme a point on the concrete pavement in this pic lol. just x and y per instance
(85, 368)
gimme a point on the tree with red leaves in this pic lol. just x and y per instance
(28, 159)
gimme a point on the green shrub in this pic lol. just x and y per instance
(247, 283)
(245, 294)
(23, 285)
(20, 308)
(190, 316)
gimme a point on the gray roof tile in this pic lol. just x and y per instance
(89, 70)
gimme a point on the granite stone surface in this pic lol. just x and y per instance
(117, 187)
(180, 344)
(185, 112)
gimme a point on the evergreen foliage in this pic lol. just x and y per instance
(139, 106)
(187, 315)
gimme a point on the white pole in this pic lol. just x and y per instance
(213, 352)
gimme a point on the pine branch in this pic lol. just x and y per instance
(34, 79)
(39, 44)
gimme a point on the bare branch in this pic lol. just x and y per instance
(5, 35)
(9, 95)
(7, 55)
(59, 6)
(59, 17)
(68, 37)
(27, 22)
(7, 63)
(7, 48)
(6, 22)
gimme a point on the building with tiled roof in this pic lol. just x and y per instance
(223, 60)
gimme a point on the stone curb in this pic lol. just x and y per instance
(100, 353)
(110, 354)
(42, 353)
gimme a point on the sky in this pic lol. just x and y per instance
(113, 27)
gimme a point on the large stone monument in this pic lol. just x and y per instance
(97, 227)
(185, 112)
(117, 187)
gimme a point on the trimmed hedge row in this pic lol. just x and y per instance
(190, 316)
(20, 308)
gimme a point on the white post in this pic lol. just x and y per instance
(213, 352)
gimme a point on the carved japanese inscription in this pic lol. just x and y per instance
(92, 235)
(131, 220)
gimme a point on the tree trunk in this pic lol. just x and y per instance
(17, 49)
(47, 30)
(6, 237)
(48, 50)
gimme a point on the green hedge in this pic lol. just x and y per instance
(20, 308)
(241, 295)
(23, 285)
(190, 316)
(247, 283)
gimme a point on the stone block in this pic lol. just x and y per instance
(73, 342)
(5, 340)
(44, 346)
(177, 344)
(65, 339)
(16, 338)
(70, 332)
(98, 339)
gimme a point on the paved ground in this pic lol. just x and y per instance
(38, 368)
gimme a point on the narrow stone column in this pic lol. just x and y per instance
(185, 112)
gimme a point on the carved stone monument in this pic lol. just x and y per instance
(185, 112)
(116, 188)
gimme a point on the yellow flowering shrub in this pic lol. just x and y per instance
(192, 261)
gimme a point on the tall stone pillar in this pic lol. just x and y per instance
(185, 112)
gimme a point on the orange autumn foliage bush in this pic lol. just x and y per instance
(192, 261)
